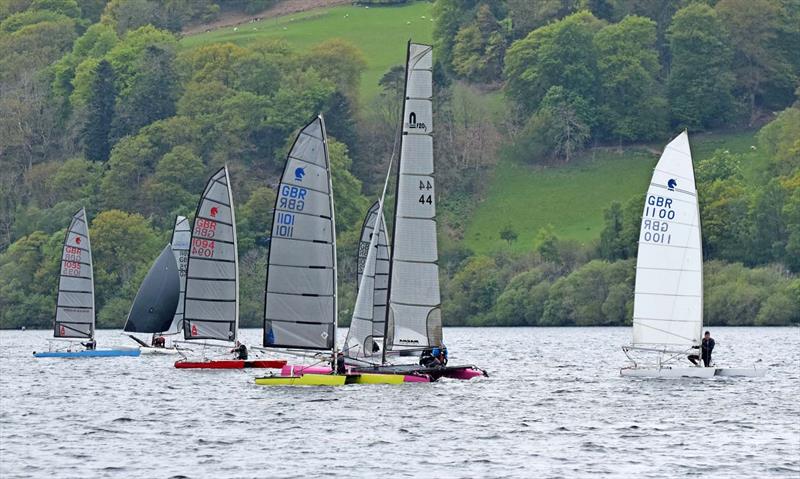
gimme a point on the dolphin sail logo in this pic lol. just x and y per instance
(299, 173)
(671, 184)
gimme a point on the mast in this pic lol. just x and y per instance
(396, 198)
(333, 231)
(181, 238)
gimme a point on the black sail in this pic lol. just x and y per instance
(154, 307)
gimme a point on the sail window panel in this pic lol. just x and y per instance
(298, 199)
(76, 316)
(198, 329)
(79, 300)
(300, 281)
(420, 56)
(76, 329)
(416, 240)
(417, 197)
(379, 297)
(181, 234)
(205, 269)
(665, 332)
(417, 154)
(299, 335)
(415, 283)
(297, 253)
(413, 331)
(302, 173)
(676, 308)
(291, 307)
(420, 84)
(212, 211)
(291, 226)
(309, 149)
(419, 117)
(200, 309)
(75, 284)
(667, 234)
(212, 250)
(664, 257)
(661, 281)
(213, 289)
(382, 271)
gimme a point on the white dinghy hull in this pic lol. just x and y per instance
(668, 372)
(741, 372)
(160, 351)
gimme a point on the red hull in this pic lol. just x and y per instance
(231, 364)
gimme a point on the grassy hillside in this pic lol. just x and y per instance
(380, 32)
(572, 197)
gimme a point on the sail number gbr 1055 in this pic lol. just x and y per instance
(426, 198)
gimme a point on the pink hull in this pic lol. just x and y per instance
(465, 374)
(290, 370)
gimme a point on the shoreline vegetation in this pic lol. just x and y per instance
(549, 117)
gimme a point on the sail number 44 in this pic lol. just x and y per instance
(425, 199)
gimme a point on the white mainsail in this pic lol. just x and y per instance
(414, 318)
(211, 300)
(75, 303)
(668, 305)
(181, 238)
(300, 304)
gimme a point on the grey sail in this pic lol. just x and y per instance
(300, 303)
(211, 303)
(365, 335)
(153, 308)
(75, 304)
(181, 238)
(414, 318)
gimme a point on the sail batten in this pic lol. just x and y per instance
(668, 300)
(300, 304)
(414, 300)
(75, 309)
(211, 296)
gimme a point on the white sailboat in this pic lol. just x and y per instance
(668, 302)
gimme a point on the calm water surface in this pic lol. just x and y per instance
(554, 406)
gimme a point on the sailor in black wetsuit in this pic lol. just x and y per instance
(706, 347)
(340, 364)
(90, 345)
(240, 350)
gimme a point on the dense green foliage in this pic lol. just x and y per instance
(105, 106)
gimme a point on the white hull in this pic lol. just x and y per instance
(160, 351)
(668, 372)
(741, 372)
(692, 372)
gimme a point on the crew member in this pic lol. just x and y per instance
(90, 345)
(159, 342)
(706, 347)
(340, 364)
(240, 350)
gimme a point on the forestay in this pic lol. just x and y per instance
(154, 306)
(369, 315)
(300, 305)
(211, 304)
(668, 305)
(181, 237)
(414, 316)
(75, 303)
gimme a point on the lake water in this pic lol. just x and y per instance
(553, 406)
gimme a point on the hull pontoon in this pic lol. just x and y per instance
(90, 353)
(231, 364)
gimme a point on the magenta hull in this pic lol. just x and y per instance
(464, 374)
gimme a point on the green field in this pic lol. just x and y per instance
(572, 197)
(380, 32)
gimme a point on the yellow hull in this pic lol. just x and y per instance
(376, 379)
(304, 380)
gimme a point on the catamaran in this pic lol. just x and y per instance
(75, 314)
(668, 301)
(211, 301)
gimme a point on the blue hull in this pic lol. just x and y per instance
(96, 353)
